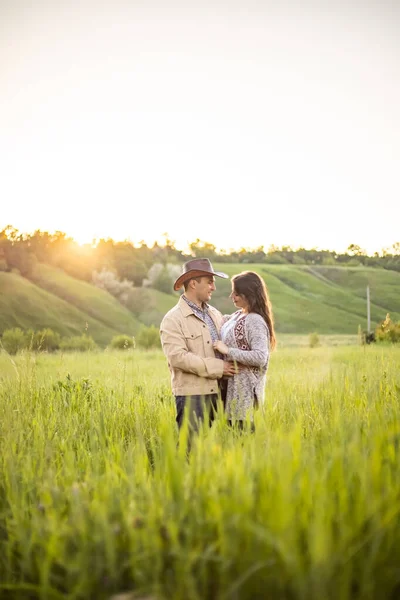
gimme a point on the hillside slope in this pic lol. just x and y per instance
(324, 299)
(160, 304)
(97, 303)
(384, 285)
(328, 300)
(26, 305)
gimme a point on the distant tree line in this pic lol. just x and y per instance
(21, 251)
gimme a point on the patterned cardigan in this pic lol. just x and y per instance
(247, 337)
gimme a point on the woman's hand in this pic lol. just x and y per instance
(221, 347)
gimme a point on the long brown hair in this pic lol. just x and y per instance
(252, 287)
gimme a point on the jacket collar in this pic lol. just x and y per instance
(187, 311)
(185, 308)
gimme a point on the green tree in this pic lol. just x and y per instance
(127, 264)
(149, 337)
(201, 249)
(14, 340)
(355, 250)
(139, 301)
(388, 331)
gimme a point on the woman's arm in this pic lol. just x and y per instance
(257, 334)
(221, 347)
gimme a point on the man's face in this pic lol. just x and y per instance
(204, 288)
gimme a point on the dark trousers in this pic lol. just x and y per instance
(199, 408)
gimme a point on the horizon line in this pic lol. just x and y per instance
(219, 250)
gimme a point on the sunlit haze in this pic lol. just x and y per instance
(242, 124)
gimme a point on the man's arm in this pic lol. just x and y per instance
(176, 350)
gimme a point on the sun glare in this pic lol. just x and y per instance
(268, 134)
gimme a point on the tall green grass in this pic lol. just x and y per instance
(96, 498)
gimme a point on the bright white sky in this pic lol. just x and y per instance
(242, 124)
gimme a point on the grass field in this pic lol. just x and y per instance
(96, 499)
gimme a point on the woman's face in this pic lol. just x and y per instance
(238, 300)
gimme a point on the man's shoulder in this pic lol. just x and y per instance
(173, 313)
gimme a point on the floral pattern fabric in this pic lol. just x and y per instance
(247, 337)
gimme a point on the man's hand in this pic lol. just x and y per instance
(230, 368)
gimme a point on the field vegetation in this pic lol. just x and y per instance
(97, 499)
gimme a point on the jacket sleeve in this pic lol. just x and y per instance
(179, 356)
(257, 334)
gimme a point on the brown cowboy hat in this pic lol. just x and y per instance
(198, 267)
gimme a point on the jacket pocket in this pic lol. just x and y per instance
(194, 341)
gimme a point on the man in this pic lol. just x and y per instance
(187, 334)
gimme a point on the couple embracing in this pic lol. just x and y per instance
(213, 356)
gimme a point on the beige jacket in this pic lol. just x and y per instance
(187, 344)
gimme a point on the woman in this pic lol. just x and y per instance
(248, 337)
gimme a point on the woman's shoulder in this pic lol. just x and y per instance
(256, 320)
(234, 315)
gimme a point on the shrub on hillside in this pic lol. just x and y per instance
(148, 337)
(45, 340)
(122, 342)
(313, 340)
(164, 282)
(108, 281)
(78, 343)
(388, 331)
(275, 258)
(136, 299)
(154, 316)
(139, 301)
(161, 277)
(353, 262)
(328, 260)
(298, 260)
(14, 340)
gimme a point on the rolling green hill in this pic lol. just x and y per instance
(160, 304)
(27, 305)
(90, 300)
(324, 299)
(328, 300)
